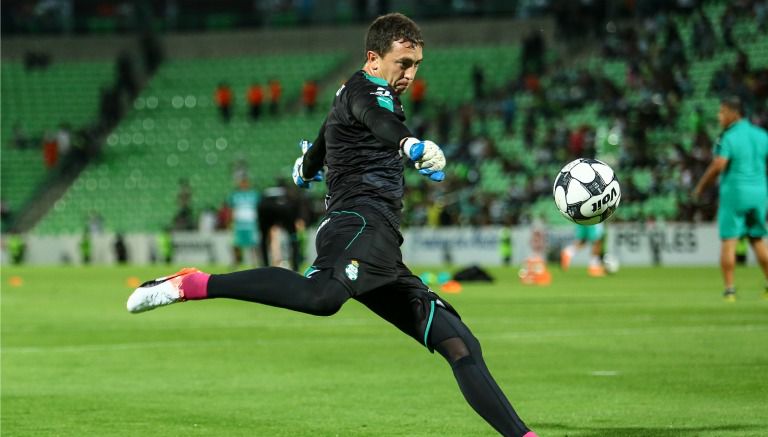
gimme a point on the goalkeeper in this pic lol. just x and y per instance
(362, 143)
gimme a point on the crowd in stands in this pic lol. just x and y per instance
(650, 96)
(532, 106)
(254, 98)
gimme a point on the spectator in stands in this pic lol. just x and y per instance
(309, 95)
(509, 112)
(86, 246)
(184, 195)
(5, 215)
(275, 93)
(529, 127)
(478, 81)
(121, 250)
(703, 36)
(206, 223)
(279, 211)
(109, 106)
(64, 140)
(20, 137)
(151, 52)
(50, 150)
(95, 223)
(533, 53)
(126, 78)
(184, 218)
(741, 68)
(164, 245)
(255, 100)
(223, 98)
(17, 248)
(224, 216)
(244, 201)
(443, 122)
(683, 82)
(418, 94)
(761, 15)
(239, 171)
(727, 21)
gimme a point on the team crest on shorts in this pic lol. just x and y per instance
(351, 270)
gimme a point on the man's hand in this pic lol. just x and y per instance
(298, 177)
(427, 156)
(714, 169)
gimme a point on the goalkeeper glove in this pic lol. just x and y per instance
(298, 172)
(427, 156)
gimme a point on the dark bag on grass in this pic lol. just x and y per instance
(472, 273)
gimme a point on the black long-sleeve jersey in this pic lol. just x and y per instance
(360, 145)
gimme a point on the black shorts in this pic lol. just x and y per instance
(363, 251)
(361, 248)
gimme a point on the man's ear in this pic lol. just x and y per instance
(373, 59)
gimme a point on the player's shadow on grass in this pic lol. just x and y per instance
(639, 431)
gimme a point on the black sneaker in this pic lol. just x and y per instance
(729, 295)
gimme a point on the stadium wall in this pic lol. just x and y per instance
(669, 244)
(454, 32)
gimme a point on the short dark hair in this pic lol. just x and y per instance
(390, 28)
(732, 102)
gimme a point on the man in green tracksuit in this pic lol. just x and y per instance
(740, 158)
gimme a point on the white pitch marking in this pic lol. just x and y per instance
(604, 373)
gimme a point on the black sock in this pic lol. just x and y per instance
(475, 381)
(484, 395)
(320, 295)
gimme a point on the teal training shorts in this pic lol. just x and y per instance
(589, 233)
(245, 238)
(735, 223)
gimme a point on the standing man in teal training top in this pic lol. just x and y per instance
(740, 156)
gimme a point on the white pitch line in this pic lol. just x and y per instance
(627, 331)
(324, 339)
(604, 373)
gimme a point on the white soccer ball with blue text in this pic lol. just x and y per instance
(586, 191)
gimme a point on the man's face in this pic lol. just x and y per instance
(726, 116)
(398, 67)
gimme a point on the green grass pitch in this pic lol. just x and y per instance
(647, 352)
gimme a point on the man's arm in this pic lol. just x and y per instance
(715, 168)
(384, 125)
(381, 120)
(315, 156)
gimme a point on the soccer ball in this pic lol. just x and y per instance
(586, 191)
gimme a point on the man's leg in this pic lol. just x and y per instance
(595, 267)
(319, 295)
(761, 253)
(728, 265)
(462, 351)
(566, 255)
(426, 318)
(731, 224)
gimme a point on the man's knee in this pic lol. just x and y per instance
(329, 297)
(451, 338)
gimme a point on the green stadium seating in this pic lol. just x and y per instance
(40, 100)
(448, 71)
(175, 132)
